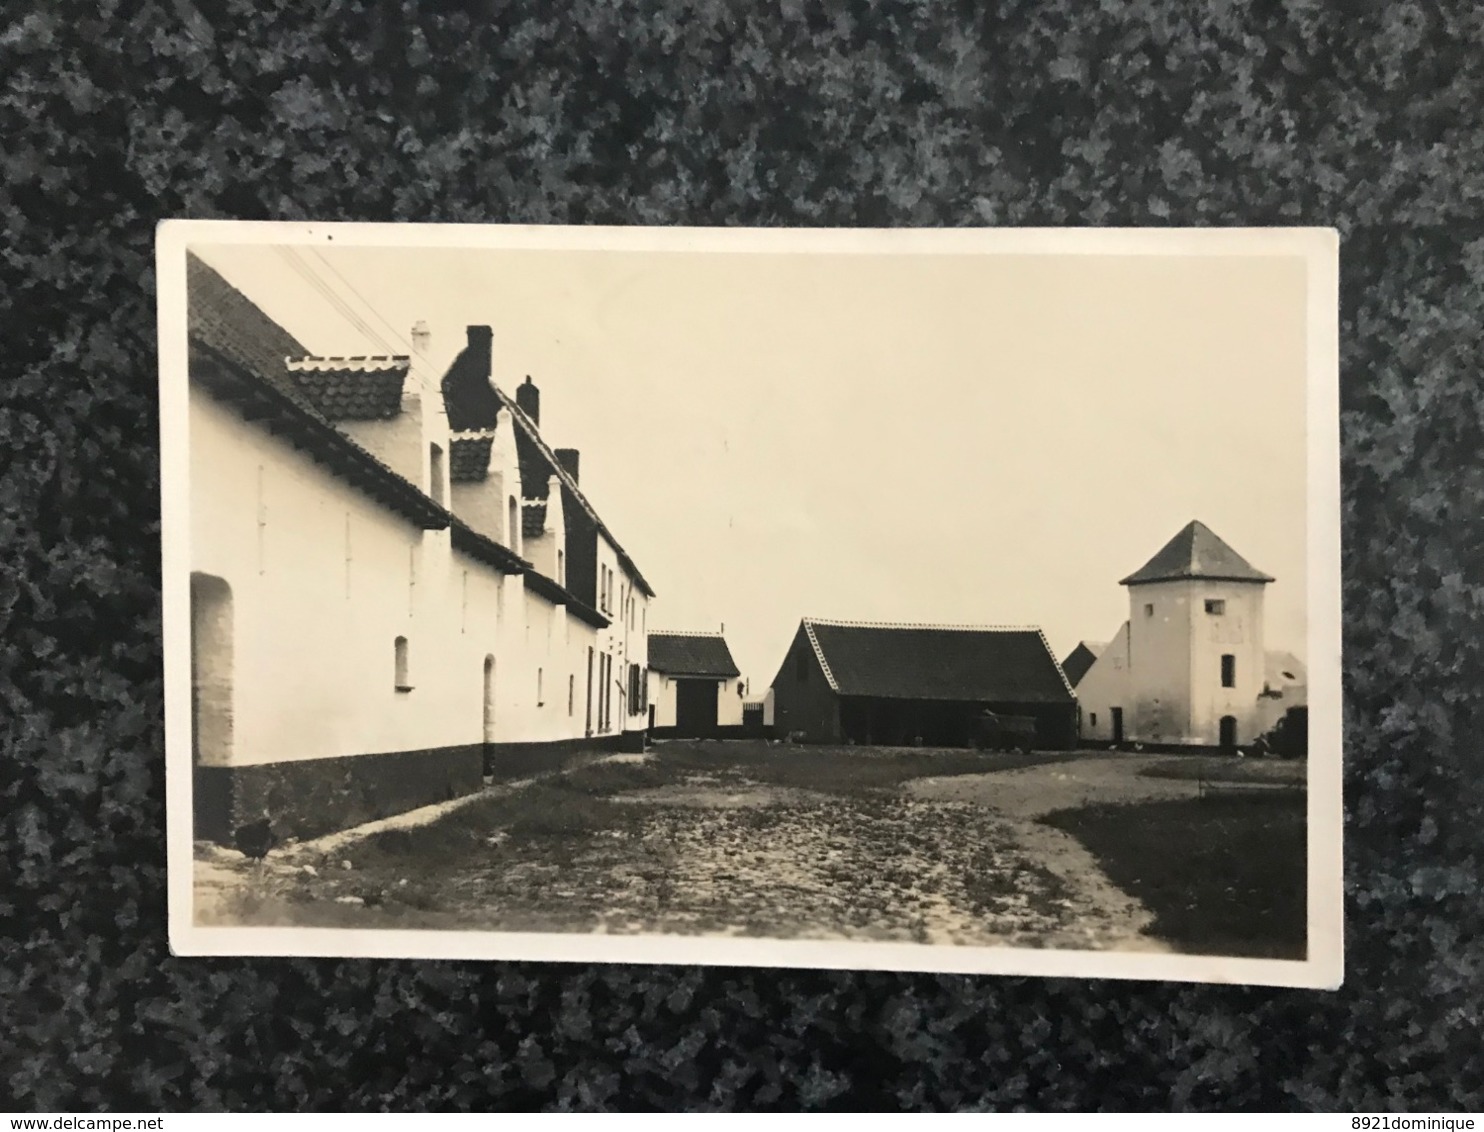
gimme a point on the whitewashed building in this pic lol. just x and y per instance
(695, 688)
(397, 586)
(1189, 666)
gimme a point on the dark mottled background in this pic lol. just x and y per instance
(114, 115)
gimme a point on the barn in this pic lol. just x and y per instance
(891, 685)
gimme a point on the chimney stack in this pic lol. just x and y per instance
(480, 340)
(422, 338)
(568, 458)
(528, 397)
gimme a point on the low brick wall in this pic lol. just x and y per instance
(310, 797)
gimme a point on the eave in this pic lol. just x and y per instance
(262, 403)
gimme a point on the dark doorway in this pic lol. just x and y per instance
(1228, 732)
(1118, 725)
(589, 691)
(695, 707)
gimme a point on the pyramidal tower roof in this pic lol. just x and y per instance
(1196, 552)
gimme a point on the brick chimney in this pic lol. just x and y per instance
(568, 458)
(480, 340)
(528, 397)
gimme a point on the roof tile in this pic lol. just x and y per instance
(1196, 552)
(691, 654)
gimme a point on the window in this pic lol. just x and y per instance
(561, 568)
(512, 525)
(1149, 609)
(540, 690)
(1228, 670)
(1094, 719)
(1215, 606)
(435, 473)
(399, 651)
(571, 694)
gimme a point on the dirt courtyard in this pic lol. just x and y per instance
(747, 839)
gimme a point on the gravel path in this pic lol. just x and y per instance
(1109, 917)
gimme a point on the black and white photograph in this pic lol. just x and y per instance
(919, 600)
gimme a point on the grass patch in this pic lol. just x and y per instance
(844, 771)
(1257, 772)
(1222, 875)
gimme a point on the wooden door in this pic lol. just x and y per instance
(695, 707)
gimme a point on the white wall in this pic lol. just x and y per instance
(728, 700)
(1103, 687)
(1238, 632)
(323, 580)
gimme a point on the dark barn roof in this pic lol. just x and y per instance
(934, 662)
(1196, 552)
(691, 654)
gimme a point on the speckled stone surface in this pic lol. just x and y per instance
(857, 113)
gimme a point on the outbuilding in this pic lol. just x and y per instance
(695, 689)
(903, 685)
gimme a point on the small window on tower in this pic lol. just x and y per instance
(1228, 670)
(1149, 609)
(1216, 606)
(1094, 719)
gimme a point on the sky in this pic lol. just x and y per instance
(970, 440)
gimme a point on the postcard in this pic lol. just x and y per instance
(925, 600)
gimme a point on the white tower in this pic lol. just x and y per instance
(1195, 643)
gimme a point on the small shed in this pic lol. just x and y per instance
(695, 688)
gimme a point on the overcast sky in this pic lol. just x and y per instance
(967, 439)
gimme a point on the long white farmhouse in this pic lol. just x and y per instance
(397, 587)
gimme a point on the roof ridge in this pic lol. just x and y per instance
(922, 625)
(533, 433)
(684, 633)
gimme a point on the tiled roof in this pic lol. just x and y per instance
(351, 389)
(469, 459)
(1080, 659)
(238, 353)
(1196, 552)
(936, 662)
(691, 654)
(225, 320)
(532, 517)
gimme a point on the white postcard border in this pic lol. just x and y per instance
(1318, 247)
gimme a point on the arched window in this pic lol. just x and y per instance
(512, 528)
(403, 680)
(540, 687)
(561, 568)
